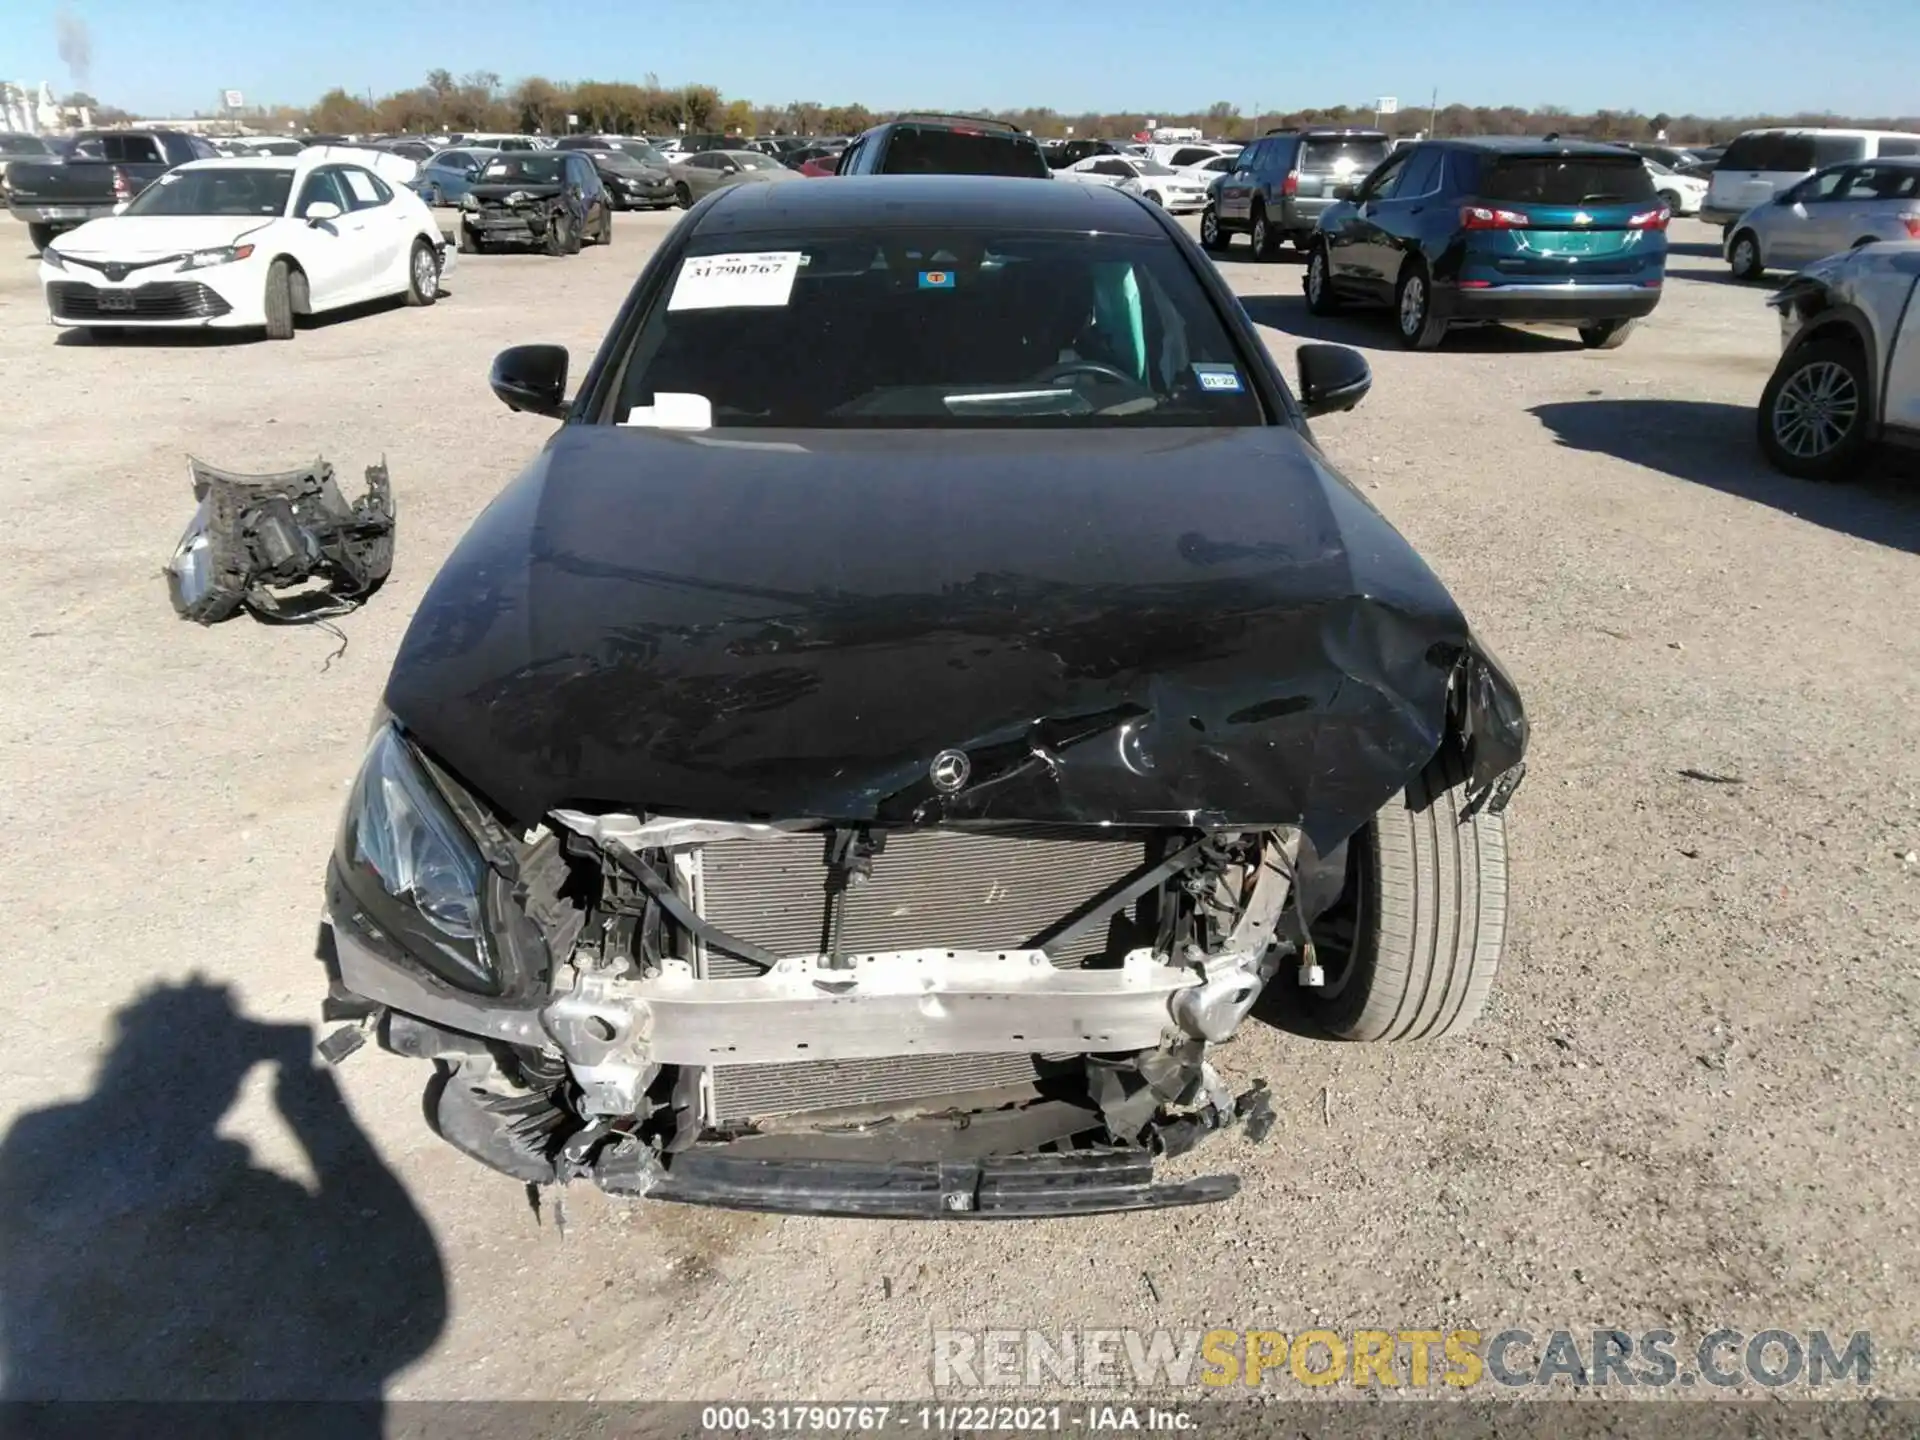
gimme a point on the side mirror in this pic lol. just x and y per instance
(322, 210)
(531, 378)
(731, 168)
(1332, 378)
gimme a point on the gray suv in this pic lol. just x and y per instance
(1281, 184)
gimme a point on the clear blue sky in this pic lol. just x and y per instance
(1706, 56)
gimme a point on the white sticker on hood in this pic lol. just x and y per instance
(724, 282)
(673, 411)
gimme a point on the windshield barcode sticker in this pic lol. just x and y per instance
(725, 282)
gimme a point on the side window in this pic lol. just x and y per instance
(1118, 169)
(201, 149)
(1825, 185)
(1897, 146)
(1277, 159)
(1421, 175)
(1746, 152)
(321, 185)
(1249, 158)
(363, 189)
(1384, 183)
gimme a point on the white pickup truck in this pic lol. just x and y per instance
(1849, 372)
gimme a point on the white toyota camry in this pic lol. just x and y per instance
(248, 243)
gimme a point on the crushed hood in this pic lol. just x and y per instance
(501, 190)
(1129, 626)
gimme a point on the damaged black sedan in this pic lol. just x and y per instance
(929, 688)
(553, 200)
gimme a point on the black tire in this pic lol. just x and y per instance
(1413, 310)
(469, 242)
(1154, 197)
(1744, 256)
(1213, 239)
(1606, 334)
(560, 239)
(1670, 199)
(423, 274)
(40, 236)
(1814, 419)
(1263, 237)
(436, 197)
(1318, 283)
(279, 301)
(1411, 948)
(682, 196)
(606, 227)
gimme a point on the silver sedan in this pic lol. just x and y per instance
(1839, 208)
(710, 170)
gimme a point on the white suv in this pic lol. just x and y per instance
(1849, 371)
(1761, 162)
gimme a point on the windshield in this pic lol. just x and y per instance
(643, 152)
(523, 165)
(748, 160)
(22, 145)
(961, 328)
(228, 190)
(617, 161)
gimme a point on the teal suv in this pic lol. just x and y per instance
(1463, 232)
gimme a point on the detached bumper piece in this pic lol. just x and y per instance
(1010, 1187)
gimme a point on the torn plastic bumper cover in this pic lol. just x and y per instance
(254, 535)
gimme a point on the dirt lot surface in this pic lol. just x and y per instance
(1692, 1103)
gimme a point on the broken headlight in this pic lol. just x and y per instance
(414, 867)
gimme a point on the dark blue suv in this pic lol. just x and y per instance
(1453, 232)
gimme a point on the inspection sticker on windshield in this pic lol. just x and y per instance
(1225, 378)
(726, 282)
(936, 279)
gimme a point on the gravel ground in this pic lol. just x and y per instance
(1691, 1104)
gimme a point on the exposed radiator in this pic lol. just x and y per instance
(929, 888)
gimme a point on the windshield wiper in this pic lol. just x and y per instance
(1599, 195)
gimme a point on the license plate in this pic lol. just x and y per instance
(62, 212)
(119, 300)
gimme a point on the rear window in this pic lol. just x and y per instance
(127, 149)
(940, 328)
(1342, 155)
(1894, 145)
(1746, 153)
(1566, 180)
(915, 150)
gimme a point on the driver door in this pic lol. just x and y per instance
(1355, 249)
(1807, 217)
(324, 248)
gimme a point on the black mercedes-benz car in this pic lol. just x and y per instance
(927, 689)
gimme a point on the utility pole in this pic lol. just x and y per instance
(1433, 107)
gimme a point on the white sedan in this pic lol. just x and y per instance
(1683, 193)
(247, 244)
(1159, 183)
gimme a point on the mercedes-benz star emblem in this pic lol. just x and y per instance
(949, 771)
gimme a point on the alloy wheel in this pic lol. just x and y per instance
(426, 274)
(1413, 305)
(1815, 410)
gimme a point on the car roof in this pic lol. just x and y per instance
(960, 201)
(1533, 145)
(250, 162)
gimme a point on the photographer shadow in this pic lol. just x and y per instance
(143, 1257)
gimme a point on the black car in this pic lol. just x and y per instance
(631, 185)
(864, 778)
(553, 199)
(945, 145)
(1060, 154)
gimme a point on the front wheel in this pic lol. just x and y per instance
(1212, 237)
(423, 275)
(1813, 421)
(279, 301)
(682, 196)
(1410, 949)
(1670, 199)
(1154, 196)
(1744, 257)
(1413, 308)
(469, 242)
(1321, 299)
(1606, 334)
(560, 239)
(40, 237)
